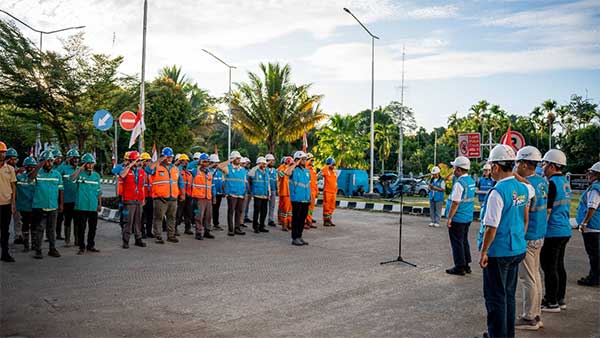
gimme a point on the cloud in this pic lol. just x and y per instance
(434, 12)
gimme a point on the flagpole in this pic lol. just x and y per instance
(142, 85)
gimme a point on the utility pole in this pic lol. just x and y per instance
(143, 84)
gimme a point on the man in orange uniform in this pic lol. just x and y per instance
(329, 191)
(314, 191)
(203, 194)
(283, 187)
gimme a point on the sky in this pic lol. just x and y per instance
(512, 53)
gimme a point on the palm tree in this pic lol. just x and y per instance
(549, 107)
(174, 73)
(384, 135)
(339, 139)
(272, 109)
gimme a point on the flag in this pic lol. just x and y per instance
(507, 138)
(138, 128)
(304, 142)
(154, 153)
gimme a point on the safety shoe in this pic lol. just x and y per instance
(94, 250)
(263, 230)
(314, 221)
(247, 220)
(563, 305)
(208, 235)
(38, 254)
(272, 224)
(173, 239)
(138, 242)
(552, 308)
(199, 237)
(456, 271)
(239, 232)
(188, 232)
(7, 259)
(125, 245)
(19, 240)
(303, 241)
(332, 224)
(587, 281)
(297, 242)
(217, 227)
(312, 226)
(256, 231)
(467, 269)
(526, 324)
(243, 225)
(53, 253)
(81, 252)
(159, 240)
(538, 319)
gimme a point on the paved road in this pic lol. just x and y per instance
(109, 190)
(261, 286)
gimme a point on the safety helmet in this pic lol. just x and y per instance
(214, 158)
(183, 157)
(47, 155)
(245, 160)
(502, 153)
(196, 155)
(72, 153)
(126, 155)
(204, 157)
(269, 157)
(11, 152)
(283, 160)
(177, 157)
(29, 161)
(309, 156)
(145, 156)
(235, 154)
(299, 154)
(555, 156)
(2, 146)
(56, 153)
(167, 151)
(260, 160)
(529, 153)
(595, 167)
(435, 170)
(487, 166)
(133, 155)
(330, 161)
(89, 158)
(461, 162)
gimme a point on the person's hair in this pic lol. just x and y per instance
(530, 164)
(462, 170)
(505, 166)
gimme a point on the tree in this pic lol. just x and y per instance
(339, 139)
(174, 73)
(272, 109)
(385, 137)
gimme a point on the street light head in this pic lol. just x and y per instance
(346, 10)
(79, 27)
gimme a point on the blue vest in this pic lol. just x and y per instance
(235, 181)
(510, 237)
(272, 178)
(437, 196)
(485, 184)
(558, 223)
(300, 185)
(582, 209)
(260, 183)
(538, 220)
(464, 213)
(217, 180)
(25, 191)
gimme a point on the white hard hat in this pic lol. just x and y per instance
(435, 170)
(212, 158)
(269, 157)
(299, 154)
(461, 162)
(245, 160)
(502, 153)
(529, 153)
(177, 157)
(235, 154)
(261, 160)
(595, 167)
(487, 166)
(196, 156)
(555, 156)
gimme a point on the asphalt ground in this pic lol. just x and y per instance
(258, 285)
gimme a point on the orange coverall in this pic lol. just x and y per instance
(329, 193)
(284, 214)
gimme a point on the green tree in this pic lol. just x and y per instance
(339, 139)
(385, 139)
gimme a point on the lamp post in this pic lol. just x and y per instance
(373, 37)
(229, 97)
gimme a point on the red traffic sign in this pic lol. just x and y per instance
(516, 140)
(127, 120)
(469, 145)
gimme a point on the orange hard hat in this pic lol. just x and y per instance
(2, 146)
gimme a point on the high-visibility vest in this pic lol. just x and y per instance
(202, 185)
(330, 180)
(314, 187)
(164, 182)
(187, 180)
(283, 187)
(133, 185)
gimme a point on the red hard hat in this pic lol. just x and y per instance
(289, 160)
(134, 155)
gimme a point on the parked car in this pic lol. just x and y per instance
(410, 186)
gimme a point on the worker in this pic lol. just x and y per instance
(527, 160)
(558, 233)
(329, 191)
(283, 188)
(486, 182)
(88, 203)
(203, 194)
(116, 170)
(258, 179)
(8, 189)
(147, 210)
(58, 158)
(196, 156)
(217, 176)
(299, 181)
(66, 169)
(234, 175)
(184, 208)
(588, 219)
(460, 216)
(167, 188)
(437, 188)
(12, 158)
(246, 163)
(47, 202)
(314, 191)
(272, 173)
(134, 198)
(502, 241)
(24, 200)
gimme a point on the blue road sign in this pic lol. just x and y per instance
(103, 120)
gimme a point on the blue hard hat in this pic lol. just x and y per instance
(29, 161)
(167, 152)
(203, 157)
(329, 161)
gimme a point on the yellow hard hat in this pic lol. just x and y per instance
(184, 157)
(126, 156)
(145, 156)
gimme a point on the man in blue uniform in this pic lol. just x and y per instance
(234, 175)
(486, 182)
(25, 191)
(299, 182)
(66, 169)
(588, 219)
(258, 180)
(217, 175)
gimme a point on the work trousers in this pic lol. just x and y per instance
(133, 220)
(591, 241)
(285, 211)
(260, 213)
(147, 216)
(215, 209)
(39, 218)
(235, 208)
(499, 288)
(17, 224)
(5, 215)
(459, 241)
(435, 211)
(87, 219)
(311, 206)
(328, 206)
(299, 212)
(162, 208)
(185, 213)
(552, 259)
(247, 200)
(67, 217)
(529, 272)
(272, 198)
(202, 214)
(26, 228)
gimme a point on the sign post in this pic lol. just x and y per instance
(469, 145)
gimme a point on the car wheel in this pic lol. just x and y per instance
(422, 192)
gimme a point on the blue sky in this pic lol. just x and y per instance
(512, 53)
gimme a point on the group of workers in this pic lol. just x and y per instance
(525, 226)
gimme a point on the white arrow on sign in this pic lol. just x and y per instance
(103, 119)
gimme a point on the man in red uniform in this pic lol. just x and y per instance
(134, 198)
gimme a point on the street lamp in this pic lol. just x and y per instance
(373, 37)
(229, 96)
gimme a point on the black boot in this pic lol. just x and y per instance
(208, 235)
(199, 236)
(138, 242)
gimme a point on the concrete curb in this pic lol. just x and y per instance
(394, 208)
(106, 181)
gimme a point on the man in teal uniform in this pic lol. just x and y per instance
(25, 191)
(88, 203)
(66, 169)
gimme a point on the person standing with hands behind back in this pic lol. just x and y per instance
(437, 187)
